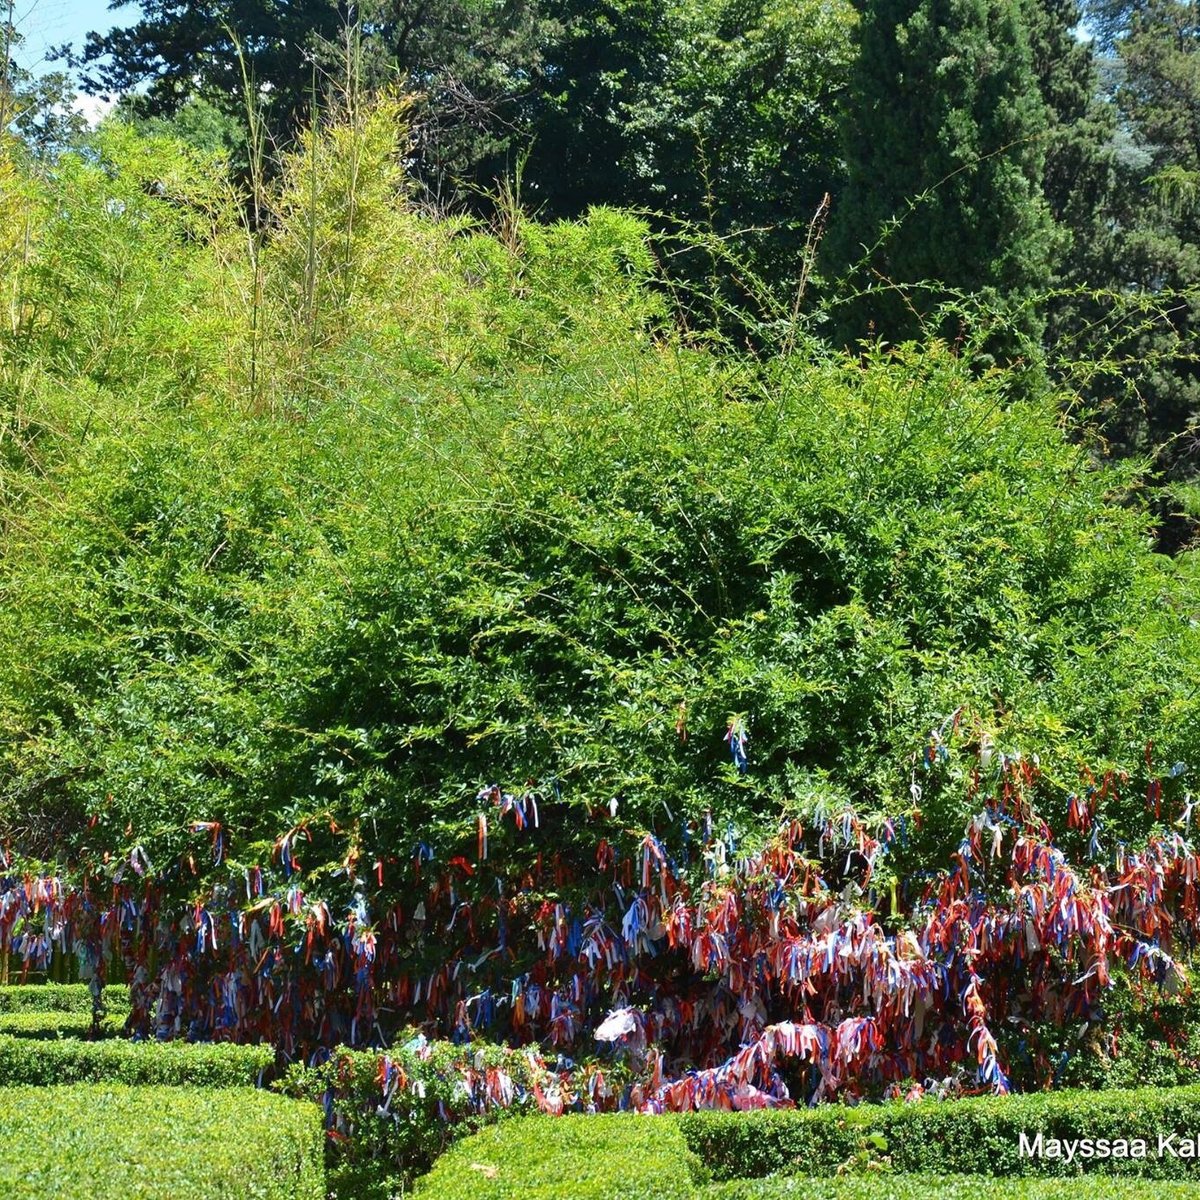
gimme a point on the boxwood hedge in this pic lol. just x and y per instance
(959, 1137)
(43, 1025)
(953, 1187)
(59, 997)
(220, 1064)
(610, 1157)
(603, 1157)
(948, 1149)
(109, 1142)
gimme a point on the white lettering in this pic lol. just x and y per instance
(1026, 1149)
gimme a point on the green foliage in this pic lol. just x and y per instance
(216, 1065)
(60, 998)
(471, 64)
(944, 1148)
(1153, 1039)
(37, 108)
(156, 1143)
(1157, 89)
(711, 112)
(113, 259)
(197, 122)
(381, 1144)
(182, 53)
(945, 1187)
(53, 1025)
(945, 160)
(605, 1157)
(953, 1137)
(687, 108)
(476, 514)
(1081, 181)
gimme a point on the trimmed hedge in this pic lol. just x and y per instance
(51, 1025)
(956, 1137)
(602, 1157)
(201, 1064)
(60, 997)
(611, 1157)
(119, 1143)
(959, 1187)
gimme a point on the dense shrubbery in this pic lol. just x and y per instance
(963, 1187)
(393, 1115)
(156, 1143)
(969, 1137)
(60, 998)
(41, 1063)
(458, 516)
(967, 1143)
(594, 1158)
(43, 1025)
(315, 528)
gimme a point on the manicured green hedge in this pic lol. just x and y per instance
(59, 997)
(953, 1187)
(23, 1061)
(967, 1137)
(612, 1157)
(608, 1157)
(50, 1025)
(118, 1143)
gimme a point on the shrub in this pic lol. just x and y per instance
(970, 1137)
(606, 1157)
(961, 1187)
(383, 1141)
(119, 1143)
(842, 551)
(69, 1061)
(50, 1025)
(615, 1156)
(316, 584)
(60, 997)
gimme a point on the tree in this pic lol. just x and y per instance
(38, 109)
(469, 62)
(174, 51)
(719, 112)
(1080, 175)
(197, 122)
(945, 160)
(713, 114)
(1151, 227)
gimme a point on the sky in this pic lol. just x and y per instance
(46, 23)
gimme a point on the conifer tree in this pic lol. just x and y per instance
(944, 139)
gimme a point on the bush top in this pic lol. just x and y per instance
(107, 1142)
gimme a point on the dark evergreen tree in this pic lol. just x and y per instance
(1149, 232)
(1080, 176)
(944, 137)
(176, 50)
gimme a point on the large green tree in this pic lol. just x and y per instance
(1080, 173)
(1158, 91)
(718, 112)
(945, 153)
